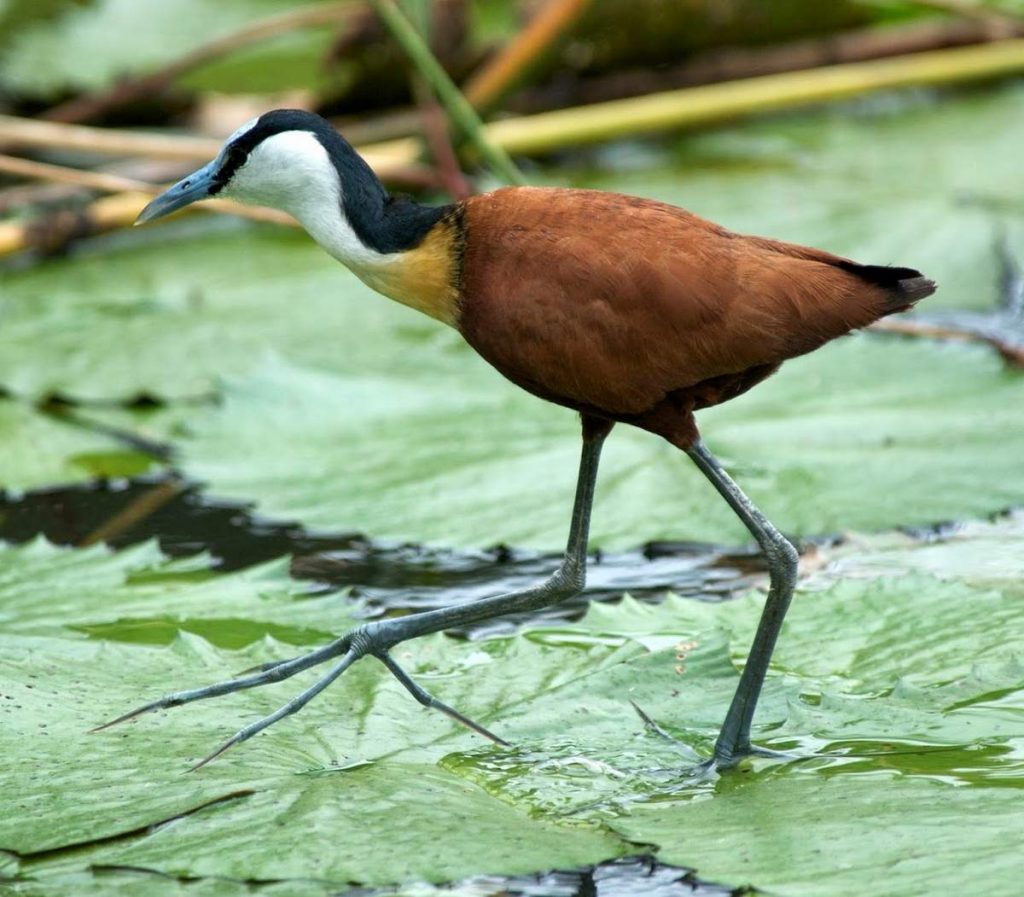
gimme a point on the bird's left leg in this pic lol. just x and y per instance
(734, 739)
(379, 637)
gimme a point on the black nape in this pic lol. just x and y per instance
(384, 223)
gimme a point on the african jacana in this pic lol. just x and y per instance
(623, 309)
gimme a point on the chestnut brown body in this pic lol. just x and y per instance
(638, 311)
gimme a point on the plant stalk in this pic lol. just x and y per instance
(462, 114)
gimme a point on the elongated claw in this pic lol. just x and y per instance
(293, 706)
(274, 673)
(428, 700)
(652, 726)
(370, 639)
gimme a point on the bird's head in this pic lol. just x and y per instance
(287, 159)
(296, 162)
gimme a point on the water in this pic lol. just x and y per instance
(391, 578)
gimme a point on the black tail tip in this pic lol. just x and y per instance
(905, 285)
(915, 288)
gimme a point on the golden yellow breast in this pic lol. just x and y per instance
(426, 277)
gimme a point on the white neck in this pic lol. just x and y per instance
(291, 171)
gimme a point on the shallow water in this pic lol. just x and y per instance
(388, 577)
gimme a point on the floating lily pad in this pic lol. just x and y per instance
(912, 723)
(985, 554)
(38, 450)
(168, 318)
(115, 597)
(830, 442)
(57, 684)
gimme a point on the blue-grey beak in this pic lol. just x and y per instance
(188, 190)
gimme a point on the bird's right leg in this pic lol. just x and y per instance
(378, 637)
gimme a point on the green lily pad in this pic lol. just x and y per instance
(843, 834)
(341, 778)
(167, 318)
(38, 450)
(912, 722)
(982, 553)
(829, 443)
(137, 596)
(905, 695)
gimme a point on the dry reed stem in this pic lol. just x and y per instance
(114, 183)
(52, 231)
(685, 108)
(1012, 353)
(28, 132)
(145, 505)
(505, 71)
(711, 104)
(688, 107)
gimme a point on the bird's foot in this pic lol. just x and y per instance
(723, 758)
(728, 759)
(374, 639)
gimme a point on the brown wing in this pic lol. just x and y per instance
(610, 303)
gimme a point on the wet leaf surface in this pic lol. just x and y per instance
(911, 725)
(169, 313)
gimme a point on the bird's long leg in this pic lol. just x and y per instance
(734, 738)
(565, 582)
(378, 637)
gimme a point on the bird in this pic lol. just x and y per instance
(623, 309)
